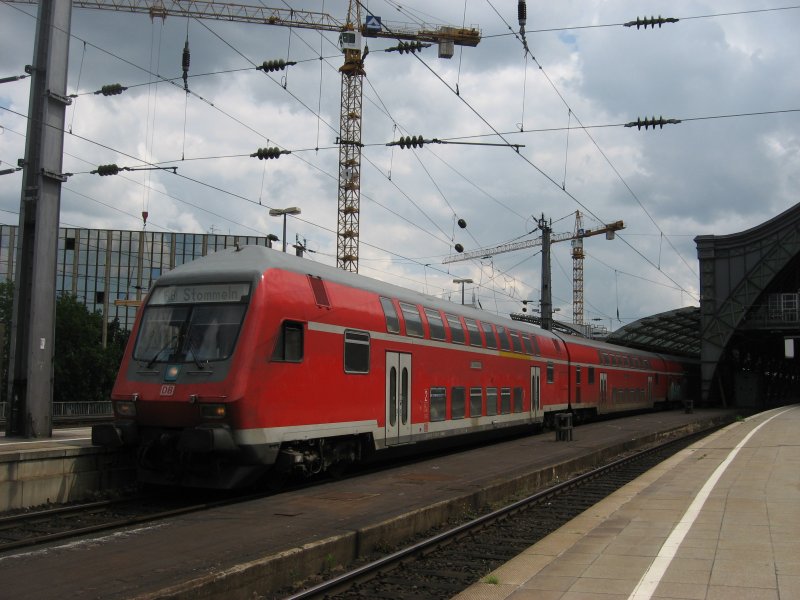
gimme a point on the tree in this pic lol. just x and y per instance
(83, 370)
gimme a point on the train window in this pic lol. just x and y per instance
(636, 363)
(646, 363)
(518, 397)
(556, 345)
(604, 358)
(456, 329)
(475, 402)
(413, 320)
(356, 351)
(488, 333)
(551, 372)
(320, 293)
(474, 334)
(438, 403)
(526, 343)
(289, 346)
(435, 324)
(505, 401)
(458, 402)
(392, 322)
(616, 360)
(535, 344)
(577, 375)
(625, 361)
(590, 377)
(491, 401)
(501, 333)
(515, 343)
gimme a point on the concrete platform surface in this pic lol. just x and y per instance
(62, 468)
(246, 550)
(718, 521)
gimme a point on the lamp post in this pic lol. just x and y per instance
(462, 282)
(282, 212)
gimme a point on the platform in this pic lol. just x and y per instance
(718, 521)
(252, 548)
(63, 468)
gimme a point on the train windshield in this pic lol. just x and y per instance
(192, 323)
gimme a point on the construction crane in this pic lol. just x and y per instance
(577, 236)
(351, 31)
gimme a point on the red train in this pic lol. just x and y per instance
(253, 360)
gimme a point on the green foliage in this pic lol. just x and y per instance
(83, 370)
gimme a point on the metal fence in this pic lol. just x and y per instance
(74, 410)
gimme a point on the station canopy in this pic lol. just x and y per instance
(675, 332)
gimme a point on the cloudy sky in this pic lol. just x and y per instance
(727, 70)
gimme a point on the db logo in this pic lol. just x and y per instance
(167, 390)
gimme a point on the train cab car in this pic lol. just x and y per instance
(252, 361)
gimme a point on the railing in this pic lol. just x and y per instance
(780, 310)
(66, 411)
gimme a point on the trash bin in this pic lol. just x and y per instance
(564, 427)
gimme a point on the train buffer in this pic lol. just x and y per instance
(563, 427)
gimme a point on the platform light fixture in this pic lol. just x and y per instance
(282, 212)
(462, 282)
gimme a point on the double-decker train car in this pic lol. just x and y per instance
(251, 360)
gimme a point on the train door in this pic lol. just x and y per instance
(535, 394)
(603, 391)
(398, 398)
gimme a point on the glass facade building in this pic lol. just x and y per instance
(111, 271)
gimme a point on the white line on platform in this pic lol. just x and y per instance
(647, 585)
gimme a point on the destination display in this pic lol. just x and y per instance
(200, 293)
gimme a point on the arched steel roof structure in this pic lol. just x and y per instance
(674, 332)
(738, 273)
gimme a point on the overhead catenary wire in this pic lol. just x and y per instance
(211, 104)
(562, 186)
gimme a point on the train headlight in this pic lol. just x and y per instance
(125, 408)
(213, 411)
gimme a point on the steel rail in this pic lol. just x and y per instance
(393, 560)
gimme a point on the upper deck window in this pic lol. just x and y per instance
(456, 329)
(491, 339)
(515, 343)
(501, 333)
(474, 334)
(435, 324)
(413, 320)
(392, 322)
(535, 344)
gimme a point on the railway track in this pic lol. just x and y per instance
(31, 528)
(451, 561)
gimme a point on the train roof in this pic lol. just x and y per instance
(250, 262)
